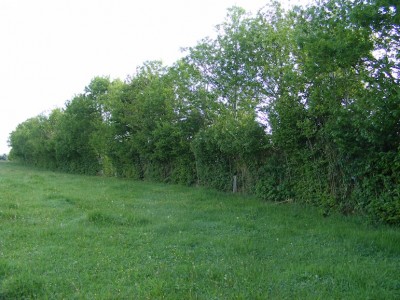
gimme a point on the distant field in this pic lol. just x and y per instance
(76, 237)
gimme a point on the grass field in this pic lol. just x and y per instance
(75, 237)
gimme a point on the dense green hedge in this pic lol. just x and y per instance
(300, 106)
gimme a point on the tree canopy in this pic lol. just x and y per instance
(301, 104)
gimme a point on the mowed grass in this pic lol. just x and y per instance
(77, 237)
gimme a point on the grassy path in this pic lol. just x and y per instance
(77, 237)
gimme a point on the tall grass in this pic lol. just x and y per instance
(76, 237)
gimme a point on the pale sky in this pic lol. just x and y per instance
(51, 49)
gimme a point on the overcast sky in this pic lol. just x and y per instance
(51, 49)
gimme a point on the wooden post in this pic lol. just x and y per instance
(234, 183)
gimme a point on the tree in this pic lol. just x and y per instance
(299, 105)
(77, 143)
(28, 141)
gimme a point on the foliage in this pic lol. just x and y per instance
(300, 105)
(232, 146)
